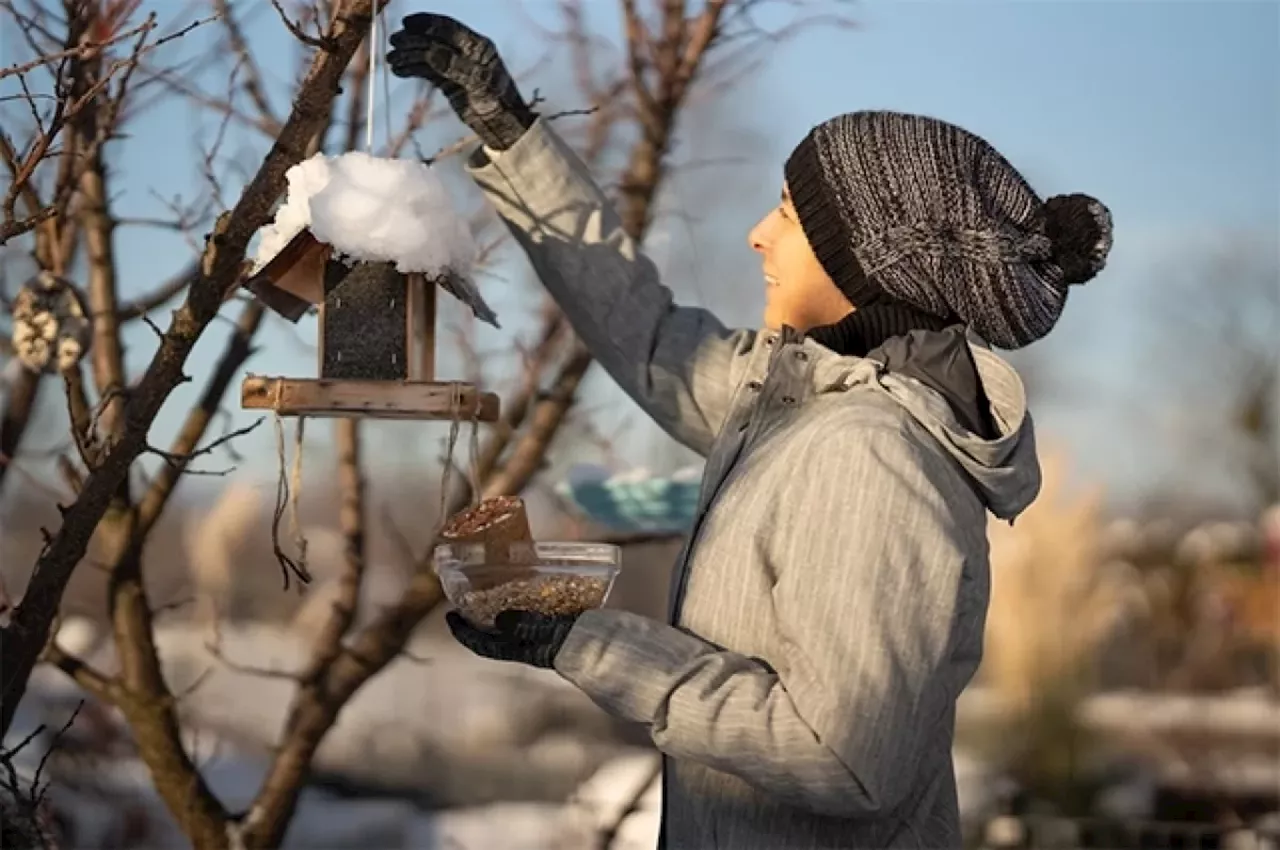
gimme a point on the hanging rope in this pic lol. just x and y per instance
(373, 84)
(475, 451)
(288, 495)
(295, 486)
(384, 46)
(377, 45)
(455, 425)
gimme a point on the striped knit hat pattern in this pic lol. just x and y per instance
(927, 213)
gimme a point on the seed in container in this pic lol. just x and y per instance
(546, 594)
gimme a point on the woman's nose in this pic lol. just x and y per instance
(756, 237)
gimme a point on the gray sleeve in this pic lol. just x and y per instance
(836, 720)
(681, 365)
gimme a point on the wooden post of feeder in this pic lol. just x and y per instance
(422, 328)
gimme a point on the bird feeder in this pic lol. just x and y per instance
(368, 241)
(51, 325)
(376, 339)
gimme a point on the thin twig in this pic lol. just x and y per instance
(181, 460)
(215, 650)
(157, 297)
(318, 42)
(81, 52)
(102, 686)
(253, 84)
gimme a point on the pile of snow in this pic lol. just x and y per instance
(624, 797)
(372, 210)
(1245, 712)
(442, 727)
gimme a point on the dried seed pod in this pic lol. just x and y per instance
(51, 326)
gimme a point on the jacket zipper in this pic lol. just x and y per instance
(753, 422)
(787, 335)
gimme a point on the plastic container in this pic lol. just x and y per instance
(550, 578)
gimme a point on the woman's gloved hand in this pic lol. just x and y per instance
(526, 637)
(467, 69)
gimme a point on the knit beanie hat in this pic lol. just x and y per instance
(924, 212)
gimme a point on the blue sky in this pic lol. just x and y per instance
(1167, 111)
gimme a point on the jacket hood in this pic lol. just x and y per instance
(919, 372)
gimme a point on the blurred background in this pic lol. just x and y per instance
(1130, 692)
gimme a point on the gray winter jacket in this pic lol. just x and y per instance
(829, 605)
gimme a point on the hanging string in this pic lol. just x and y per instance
(295, 485)
(385, 45)
(288, 493)
(455, 424)
(373, 83)
(475, 451)
(377, 45)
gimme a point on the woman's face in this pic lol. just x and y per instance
(797, 291)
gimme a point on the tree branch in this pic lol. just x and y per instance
(102, 686)
(80, 413)
(159, 296)
(222, 105)
(85, 51)
(296, 29)
(145, 698)
(20, 403)
(98, 228)
(548, 415)
(149, 706)
(353, 519)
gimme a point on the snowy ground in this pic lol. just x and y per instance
(121, 810)
(425, 748)
(453, 752)
(1229, 741)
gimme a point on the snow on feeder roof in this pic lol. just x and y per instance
(359, 208)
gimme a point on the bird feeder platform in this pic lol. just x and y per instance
(318, 397)
(376, 342)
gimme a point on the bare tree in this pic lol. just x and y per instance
(72, 115)
(670, 55)
(83, 70)
(112, 432)
(1215, 345)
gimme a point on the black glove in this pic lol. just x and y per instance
(523, 636)
(465, 66)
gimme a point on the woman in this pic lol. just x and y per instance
(829, 606)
